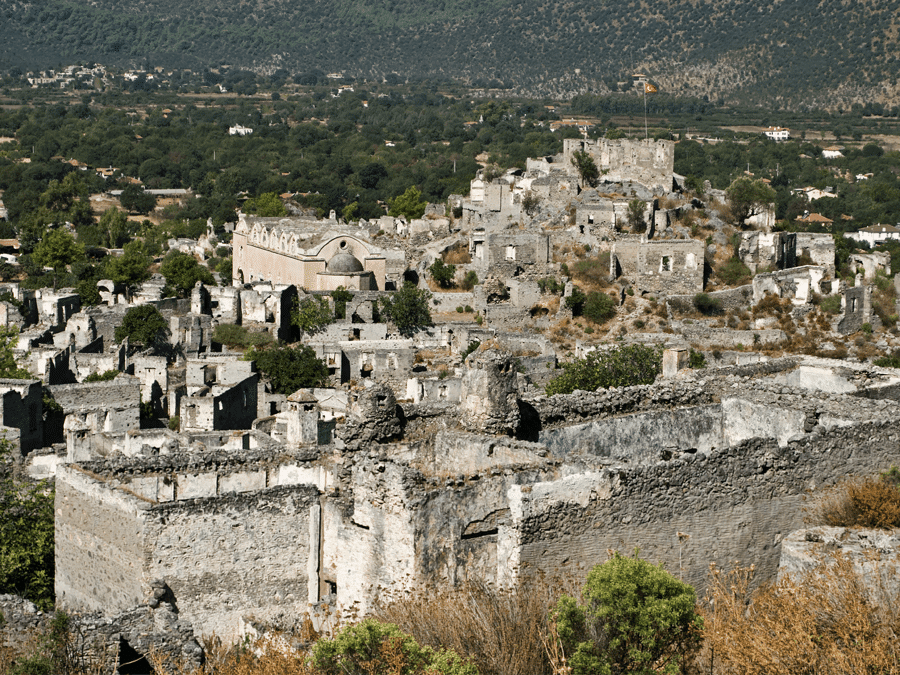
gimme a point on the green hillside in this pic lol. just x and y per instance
(786, 53)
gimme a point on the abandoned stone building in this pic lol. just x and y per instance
(648, 162)
(668, 266)
(314, 255)
(707, 466)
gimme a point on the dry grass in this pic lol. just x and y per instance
(859, 502)
(501, 630)
(458, 255)
(831, 621)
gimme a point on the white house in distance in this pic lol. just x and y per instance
(832, 153)
(238, 130)
(875, 234)
(777, 133)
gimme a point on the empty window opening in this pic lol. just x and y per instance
(666, 265)
(477, 535)
(852, 304)
(131, 662)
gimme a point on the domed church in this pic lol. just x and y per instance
(286, 251)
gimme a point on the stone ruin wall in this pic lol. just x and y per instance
(734, 504)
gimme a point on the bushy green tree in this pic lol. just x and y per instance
(622, 366)
(182, 272)
(636, 216)
(114, 227)
(143, 325)
(442, 273)
(268, 205)
(26, 534)
(598, 307)
(131, 268)
(311, 314)
(748, 198)
(635, 618)
(587, 168)
(407, 308)
(290, 368)
(135, 200)
(375, 648)
(58, 249)
(410, 204)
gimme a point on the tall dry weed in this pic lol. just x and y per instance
(502, 631)
(858, 502)
(830, 621)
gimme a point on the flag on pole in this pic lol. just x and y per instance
(649, 88)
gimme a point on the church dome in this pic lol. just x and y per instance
(343, 263)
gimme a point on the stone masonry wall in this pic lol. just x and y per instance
(734, 504)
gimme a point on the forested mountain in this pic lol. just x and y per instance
(783, 53)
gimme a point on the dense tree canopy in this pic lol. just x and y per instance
(291, 368)
(143, 325)
(407, 308)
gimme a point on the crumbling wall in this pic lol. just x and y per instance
(642, 437)
(736, 503)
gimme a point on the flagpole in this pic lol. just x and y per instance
(646, 133)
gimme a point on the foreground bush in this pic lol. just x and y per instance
(636, 618)
(375, 648)
(624, 366)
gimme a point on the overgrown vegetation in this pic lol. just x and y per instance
(858, 502)
(407, 308)
(290, 368)
(634, 618)
(622, 366)
(26, 532)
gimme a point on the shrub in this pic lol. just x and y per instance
(473, 345)
(592, 270)
(734, 272)
(231, 335)
(470, 281)
(576, 300)
(26, 534)
(175, 423)
(341, 296)
(460, 309)
(468, 309)
(696, 360)
(623, 366)
(599, 307)
(499, 629)
(866, 328)
(551, 285)
(891, 361)
(831, 620)
(375, 648)
(311, 314)
(867, 502)
(831, 304)
(636, 618)
(707, 305)
(443, 273)
(105, 376)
